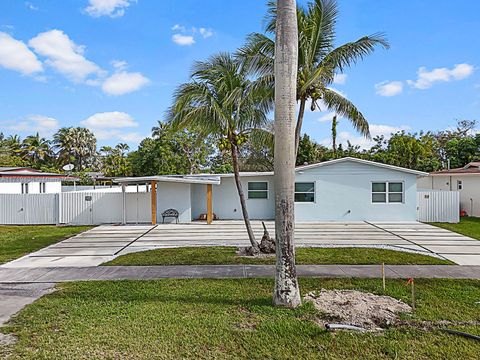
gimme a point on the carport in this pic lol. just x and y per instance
(155, 183)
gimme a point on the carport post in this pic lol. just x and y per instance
(124, 206)
(154, 201)
(209, 204)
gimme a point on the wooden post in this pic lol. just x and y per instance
(209, 204)
(154, 201)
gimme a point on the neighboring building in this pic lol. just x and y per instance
(346, 189)
(18, 180)
(466, 180)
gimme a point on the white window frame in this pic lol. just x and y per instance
(459, 184)
(387, 192)
(24, 188)
(306, 192)
(42, 187)
(267, 190)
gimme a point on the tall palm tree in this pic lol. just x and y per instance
(223, 102)
(286, 291)
(77, 145)
(318, 60)
(35, 149)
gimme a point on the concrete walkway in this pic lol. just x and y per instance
(106, 242)
(61, 274)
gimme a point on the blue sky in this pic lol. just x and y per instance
(112, 65)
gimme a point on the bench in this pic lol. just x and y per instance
(170, 213)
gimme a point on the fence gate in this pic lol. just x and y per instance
(28, 209)
(438, 206)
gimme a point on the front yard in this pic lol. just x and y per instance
(305, 256)
(17, 241)
(234, 319)
(468, 226)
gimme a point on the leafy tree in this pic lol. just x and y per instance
(76, 145)
(223, 102)
(115, 162)
(35, 150)
(318, 60)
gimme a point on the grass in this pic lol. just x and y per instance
(232, 319)
(226, 255)
(17, 241)
(468, 226)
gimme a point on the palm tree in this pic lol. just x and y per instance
(286, 291)
(35, 149)
(122, 148)
(318, 60)
(77, 145)
(223, 102)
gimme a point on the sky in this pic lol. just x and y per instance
(113, 65)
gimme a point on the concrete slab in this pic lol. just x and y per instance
(464, 259)
(57, 261)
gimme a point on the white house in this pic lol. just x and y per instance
(466, 180)
(21, 180)
(346, 189)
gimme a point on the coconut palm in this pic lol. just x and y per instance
(318, 60)
(286, 291)
(224, 103)
(76, 145)
(35, 149)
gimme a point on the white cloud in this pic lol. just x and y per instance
(178, 27)
(389, 88)
(111, 8)
(426, 79)
(124, 82)
(112, 134)
(183, 40)
(109, 120)
(375, 130)
(30, 6)
(119, 64)
(206, 33)
(44, 125)
(340, 79)
(327, 117)
(65, 56)
(15, 55)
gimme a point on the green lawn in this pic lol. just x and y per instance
(16, 241)
(468, 226)
(226, 255)
(234, 319)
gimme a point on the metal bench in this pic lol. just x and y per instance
(172, 213)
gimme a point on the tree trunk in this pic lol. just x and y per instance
(334, 136)
(286, 292)
(298, 127)
(236, 171)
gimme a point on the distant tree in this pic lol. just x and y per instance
(76, 145)
(318, 61)
(115, 162)
(223, 102)
(35, 150)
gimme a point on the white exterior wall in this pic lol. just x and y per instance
(342, 193)
(225, 201)
(51, 187)
(469, 194)
(174, 196)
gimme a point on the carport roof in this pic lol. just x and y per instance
(186, 179)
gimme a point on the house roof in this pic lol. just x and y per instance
(361, 161)
(205, 179)
(472, 168)
(23, 172)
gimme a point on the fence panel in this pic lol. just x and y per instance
(28, 209)
(438, 206)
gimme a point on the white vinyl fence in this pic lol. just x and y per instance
(438, 206)
(28, 209)
(74, 208)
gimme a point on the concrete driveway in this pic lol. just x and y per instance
(106, 242)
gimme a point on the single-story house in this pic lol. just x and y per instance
(346, 189)
(465, 180)
(23, 180)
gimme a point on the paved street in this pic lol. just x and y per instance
(106, 242)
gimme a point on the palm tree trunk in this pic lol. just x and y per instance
(286, 292)
(298, 127)
(246, 219)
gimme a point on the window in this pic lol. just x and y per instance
(24, 188)
(258, 190)
(305, 192)
(42, 188)
(387, 192)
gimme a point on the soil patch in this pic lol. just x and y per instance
(352, 307)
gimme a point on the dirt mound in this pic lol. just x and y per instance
(366, 310)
